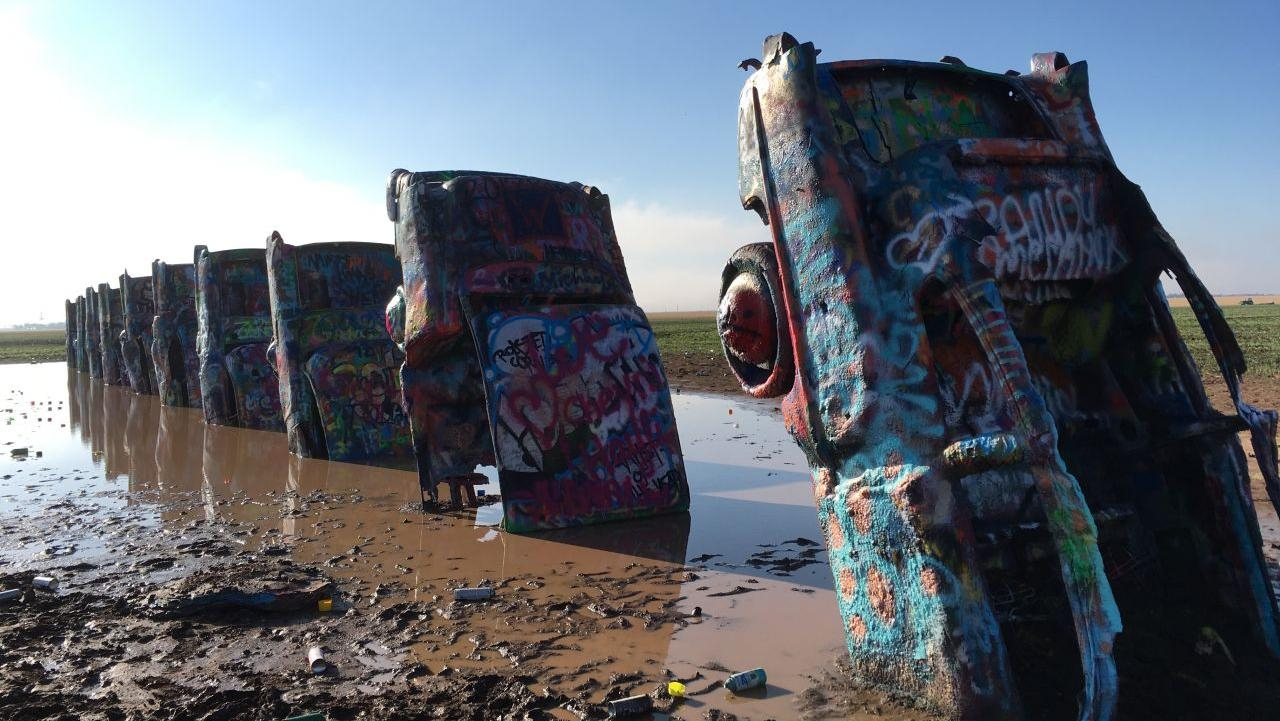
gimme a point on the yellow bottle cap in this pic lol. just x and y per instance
(675, 689)
(325, 605)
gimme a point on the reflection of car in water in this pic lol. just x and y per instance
(77, 404)
(524, 349)
(179, 453)
(962, 305)
(110, 325)
(338, 370)
(237, 384)
(173, 335)
(140, 442)
(241, 461)
(115, 416)
(138, 306)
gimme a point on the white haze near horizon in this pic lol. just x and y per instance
(86, 195)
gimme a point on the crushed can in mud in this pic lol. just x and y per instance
(630, 706)
(744, 680)
(1008, 439)
(238, 385)
(339, 372)
(525, 350)
(174, 328)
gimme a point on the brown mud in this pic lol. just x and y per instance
(167, 535)
(192, 560)
(699, 371)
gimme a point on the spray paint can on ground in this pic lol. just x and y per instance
(472, 594)
(630, 706)
(755, 678)
(315, 660)
(47, 583)
(10, 594)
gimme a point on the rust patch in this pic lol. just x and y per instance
(880, 591)
(857, 628)
(860, 509)
(930, 581)
(848, 584)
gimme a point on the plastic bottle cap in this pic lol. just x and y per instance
(675, 689)
(325, 605)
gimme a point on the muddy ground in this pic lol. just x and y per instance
(193, 561)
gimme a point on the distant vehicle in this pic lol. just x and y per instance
(524, 349)
(961, 303)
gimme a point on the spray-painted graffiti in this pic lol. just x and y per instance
(976, 363)
(111, 325)
(173, 335)
(582, 427)
(238, 385)
(567, 395)
(73, 351)
(91, 332)
(138, 298)
(338, 370)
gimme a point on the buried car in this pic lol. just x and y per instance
(138, 306)
(72, 333)
(338, 371)
(91, 333)
(238, 386)
(524, 349)
(173, 334)
(962, 305)
(110, 326)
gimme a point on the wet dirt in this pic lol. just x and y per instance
(145, 514)
(699, 371)
(160, 528)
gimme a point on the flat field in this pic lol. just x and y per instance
(691, 349)
(27, 346)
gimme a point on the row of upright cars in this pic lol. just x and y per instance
(499, 330)
(1011, 447)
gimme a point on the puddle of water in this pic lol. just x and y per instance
(126, 463)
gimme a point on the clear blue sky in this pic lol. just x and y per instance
(638, 98)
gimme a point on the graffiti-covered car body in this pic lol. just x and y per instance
(339, 372)
(138, 298)
(962, 305)
(72, 332)
(91, 332)
(110, 325)
(173, 334)
(82, 338)
(238, 386)
(525, 350)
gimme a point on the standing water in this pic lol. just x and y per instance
(116, 492)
